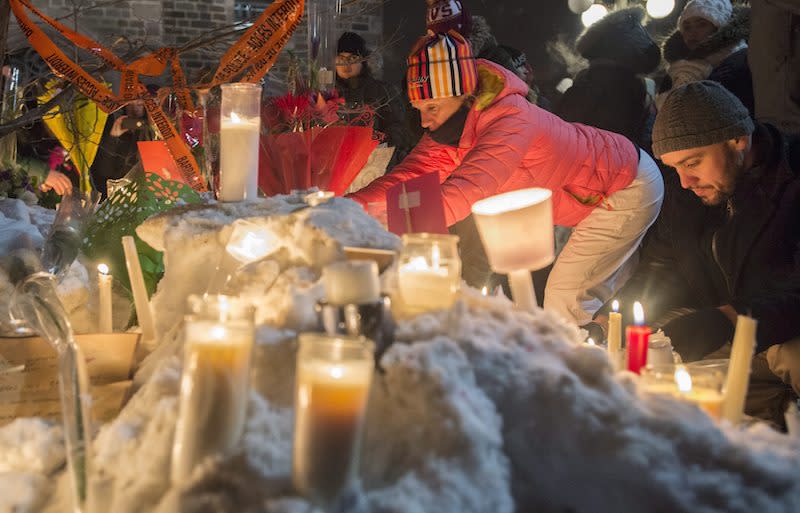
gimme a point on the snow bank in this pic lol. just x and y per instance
(481, 408)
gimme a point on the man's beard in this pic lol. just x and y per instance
(734, 165)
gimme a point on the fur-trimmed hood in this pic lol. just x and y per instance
(732, 34)
(620, 37)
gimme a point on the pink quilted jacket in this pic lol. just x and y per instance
(510, 144)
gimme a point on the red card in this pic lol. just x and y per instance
(157, 159)
(416, 206)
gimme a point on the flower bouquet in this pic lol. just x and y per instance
(311, 141)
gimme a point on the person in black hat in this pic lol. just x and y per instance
(727, 241)
(360, 89)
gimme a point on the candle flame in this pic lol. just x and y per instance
(683, 379)
(615, 306)
(218, 333)
(638, 314)
(103, 269)
(485, 291)
(337, 372)
(235, 118)
(590, 341)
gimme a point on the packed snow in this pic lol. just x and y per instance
(479, 408)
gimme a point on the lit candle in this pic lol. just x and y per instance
(698, 386)
(332, 386)
(637, 338)
(240, 132)
(354, 282)
(104, 282)
(744, 344)
(590, 341)
(516, 229)
(429, 280)
(318, 198)
(215, 381)
(614, 333)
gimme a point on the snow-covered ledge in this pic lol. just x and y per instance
(481, 408)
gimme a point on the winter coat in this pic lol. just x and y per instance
(366, 90)
(745, 253)
(610, 94)
(722, 57)
(774, 56)
(509, 144)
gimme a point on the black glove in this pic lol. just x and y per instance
(596, 332)
(700, 333)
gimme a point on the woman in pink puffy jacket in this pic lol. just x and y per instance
(485, 138)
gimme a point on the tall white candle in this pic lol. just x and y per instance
(352, 282)
(213, 396)
(104, 283)
(240, 130)
(614, 333)
(744, 343)
(239, 139)
(140, 299)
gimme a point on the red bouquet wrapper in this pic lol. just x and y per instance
(338, 153)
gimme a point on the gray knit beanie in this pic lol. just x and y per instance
(699, 114)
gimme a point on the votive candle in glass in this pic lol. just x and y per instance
(429, 272)
(218, 344)
(332, 384)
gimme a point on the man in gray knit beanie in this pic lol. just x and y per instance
(704, 132)
(727, 240)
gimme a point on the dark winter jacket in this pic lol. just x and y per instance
(365, 90)
(745, 253)
(610, 94)
(729, 66)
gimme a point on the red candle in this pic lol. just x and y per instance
(637, 338)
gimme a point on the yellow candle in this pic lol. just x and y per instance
(214, 391)
(697, 386)
(104, 282)
(614, 333)
(330, 406)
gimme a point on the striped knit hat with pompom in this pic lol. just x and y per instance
(441, 66)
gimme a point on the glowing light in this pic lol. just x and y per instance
(485, 291)
(103, 269)
(590, 341)
(436, 256)
(337, 372)
(235, 118)
(683, 379)
(218, 333)
(660, 8)
(615, 306)
(593, 14)
(252, 244)
(638, 314)
(511, 201)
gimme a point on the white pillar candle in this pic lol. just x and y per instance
(614, 333)
(332, 386)
(352, 282)
(240, 132)
(214, 386)
(744, 343)
(104, 283)
(140, 299)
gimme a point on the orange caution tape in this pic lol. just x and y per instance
(249, 58)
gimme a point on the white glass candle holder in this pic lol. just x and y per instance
(240, 132)
(700, 386)
(516, 229)
(429, 272)
(218, 344)
(334, 375)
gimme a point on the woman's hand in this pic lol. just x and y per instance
(59, 182)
